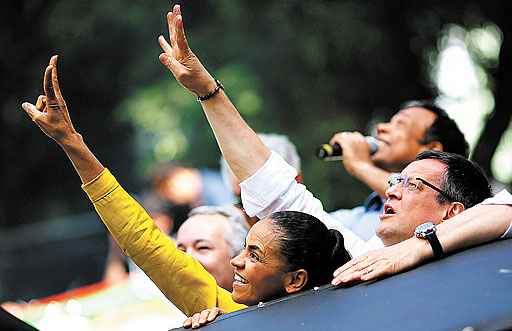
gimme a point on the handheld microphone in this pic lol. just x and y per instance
(333, 152)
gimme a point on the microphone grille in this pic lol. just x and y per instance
(374, 146)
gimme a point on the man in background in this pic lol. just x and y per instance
(418, 126)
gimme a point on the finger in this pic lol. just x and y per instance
(165, 45)
(364, 264)
(55, 80)
(170, 26)
(164, 59)
(379, 269)
(213, 314)
(47, 84)
(335, 138)
(187, 323)
(372, 273)
(53, 60)
(195, 320)
(349, 265)
(369, 272)
(181, 39)
(170, 62)
(31, 111)
(344, 267)
(204, 316)
(352, 271)
(176, 10)
(41, 102)
(345, 278)
(171, 20)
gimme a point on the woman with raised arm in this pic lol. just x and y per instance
(285, 253)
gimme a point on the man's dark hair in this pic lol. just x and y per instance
(306, 243)
(443, 129)
(463, 181)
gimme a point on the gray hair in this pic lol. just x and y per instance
(236, 229)
(279, 143)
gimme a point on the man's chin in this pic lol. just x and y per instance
(386, 235)
(383, 163)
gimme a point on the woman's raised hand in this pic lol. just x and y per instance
(50, 112)
(180, 60)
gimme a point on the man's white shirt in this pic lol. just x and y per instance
(274, 188)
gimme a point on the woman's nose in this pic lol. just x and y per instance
(237, 261)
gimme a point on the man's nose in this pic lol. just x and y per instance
(191, 251)
(382, 128)
(394, 191)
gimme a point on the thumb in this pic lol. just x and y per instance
(31, 111)
(174, 66)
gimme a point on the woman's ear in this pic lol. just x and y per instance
(295, 281)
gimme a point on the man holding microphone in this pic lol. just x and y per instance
(418, 126)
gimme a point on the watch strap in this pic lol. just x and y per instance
(435, 244)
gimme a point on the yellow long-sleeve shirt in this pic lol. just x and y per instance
(178, 275)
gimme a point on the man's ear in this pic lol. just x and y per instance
(433, 146)
(294, 281)
(454, 209)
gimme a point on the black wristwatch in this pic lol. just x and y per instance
(428, 231)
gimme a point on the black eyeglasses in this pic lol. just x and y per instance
(413, 184)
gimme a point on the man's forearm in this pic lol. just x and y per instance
(477, 225)
(474, 226)
(376, 178)
(241, 147)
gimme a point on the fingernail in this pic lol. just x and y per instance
(335, 282)
(25, 106)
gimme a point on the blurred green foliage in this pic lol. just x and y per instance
(307, 69)
(169, 124)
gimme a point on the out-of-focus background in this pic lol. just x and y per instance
(307, 69)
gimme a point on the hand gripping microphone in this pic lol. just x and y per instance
(329, 152)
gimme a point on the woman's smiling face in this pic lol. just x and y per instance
(259, 268)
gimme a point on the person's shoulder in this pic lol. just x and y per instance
(501, 198)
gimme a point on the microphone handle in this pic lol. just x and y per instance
(334, 152)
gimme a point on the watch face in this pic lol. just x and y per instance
(424, 229)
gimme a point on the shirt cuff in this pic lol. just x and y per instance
(100, 186)
(267, 184)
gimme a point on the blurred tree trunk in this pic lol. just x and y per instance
(498, 121)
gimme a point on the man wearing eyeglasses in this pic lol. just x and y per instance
(418, 126)
(268, 183)
(435, 187)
